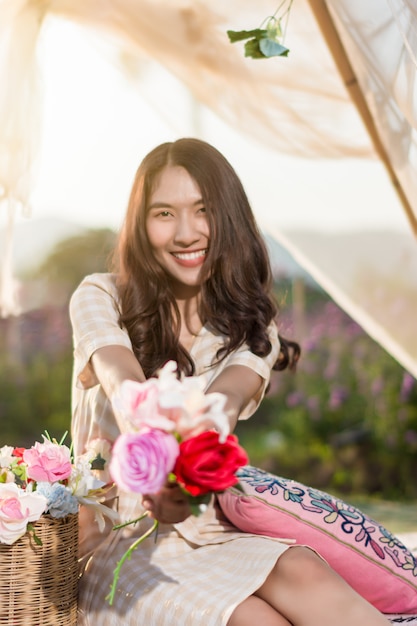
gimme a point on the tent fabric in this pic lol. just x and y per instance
(363, 48)
(380, 40)
(347, 89)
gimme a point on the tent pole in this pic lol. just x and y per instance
(332, 39)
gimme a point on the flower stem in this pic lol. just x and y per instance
(127, 555)
(130, 522)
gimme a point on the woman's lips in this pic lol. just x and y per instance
(190, 259)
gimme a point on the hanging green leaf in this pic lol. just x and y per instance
(272, 48)
(264, 42)
(253, 50)
(240, 35)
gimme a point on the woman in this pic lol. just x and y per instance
(192, 284)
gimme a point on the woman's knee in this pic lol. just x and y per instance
(300, 565)
(254, 610)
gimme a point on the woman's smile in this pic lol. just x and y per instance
(190, 259)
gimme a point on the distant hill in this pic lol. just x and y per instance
(34, 240)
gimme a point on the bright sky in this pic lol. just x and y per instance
(98, 126)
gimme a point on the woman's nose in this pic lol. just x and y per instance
(186, 231)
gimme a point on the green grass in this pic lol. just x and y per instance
(397, 517)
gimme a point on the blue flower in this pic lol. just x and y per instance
(60, 501)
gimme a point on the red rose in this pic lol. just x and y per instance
(205, 465)
(18, 452)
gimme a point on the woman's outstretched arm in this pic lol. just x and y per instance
(239, 384)
(114, 364)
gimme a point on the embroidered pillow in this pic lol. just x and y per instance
(364, 553)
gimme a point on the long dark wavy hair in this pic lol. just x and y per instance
(235, 299)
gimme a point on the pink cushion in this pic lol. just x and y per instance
(364, 553)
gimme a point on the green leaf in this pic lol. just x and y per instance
(36, 539)
(272, 48)
(98, 463)
(240, 35)
(252, 49)
(239, 487)
(262, 43)
(20, 472)
(196, 502)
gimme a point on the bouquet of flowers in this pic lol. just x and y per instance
(42, 480)
(179, 434)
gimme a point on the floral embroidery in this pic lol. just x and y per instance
(366, 531)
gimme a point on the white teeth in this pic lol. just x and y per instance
(188, 256)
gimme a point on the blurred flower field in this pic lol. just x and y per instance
(345, 422)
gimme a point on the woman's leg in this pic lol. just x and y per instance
(304, 589)
(254, 610)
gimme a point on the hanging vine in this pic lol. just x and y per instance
(267, 40)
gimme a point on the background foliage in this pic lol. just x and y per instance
(345, 422)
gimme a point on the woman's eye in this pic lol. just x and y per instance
(202, 209)
(164, 213)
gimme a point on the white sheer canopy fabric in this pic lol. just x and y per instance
(380, 40)
(301, 105)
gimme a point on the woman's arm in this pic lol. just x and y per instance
(113, 365)
(239, 384)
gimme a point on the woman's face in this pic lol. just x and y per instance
(178, 229)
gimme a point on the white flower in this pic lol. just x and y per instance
(17, 509)
(82, 481)
(6, 456)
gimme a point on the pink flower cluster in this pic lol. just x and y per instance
(43, 479)
(177, 429)
(47, 462)
(180, 434)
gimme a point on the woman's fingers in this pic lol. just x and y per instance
(169, 506)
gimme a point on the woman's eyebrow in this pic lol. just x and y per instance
(163, 205)
(159, 205)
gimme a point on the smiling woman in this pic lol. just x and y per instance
(192, 284)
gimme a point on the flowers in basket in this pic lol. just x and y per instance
(42, 480)
(180, 435)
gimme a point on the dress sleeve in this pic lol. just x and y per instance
(261, 365)
(94, 314)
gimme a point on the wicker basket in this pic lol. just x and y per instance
(39, 584)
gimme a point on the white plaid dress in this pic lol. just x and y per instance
(196, 572)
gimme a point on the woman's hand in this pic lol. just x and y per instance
(169, 506)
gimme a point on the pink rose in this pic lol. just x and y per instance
(17, 509)
(139, 402)
(142, 461)
(169, 404)
(48, 462)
